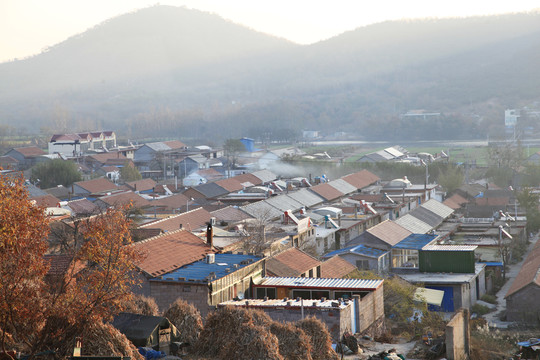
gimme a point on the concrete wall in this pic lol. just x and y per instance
(458, 337)
(524, 305)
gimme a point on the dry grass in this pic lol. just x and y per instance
(187, 319)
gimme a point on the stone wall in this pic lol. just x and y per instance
(458, 337)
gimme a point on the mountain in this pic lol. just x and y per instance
(169, 71)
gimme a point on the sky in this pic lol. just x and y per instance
(28, 26)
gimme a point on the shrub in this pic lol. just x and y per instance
(480, 309)
(492, 299)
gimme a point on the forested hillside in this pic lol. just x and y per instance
(168, 71)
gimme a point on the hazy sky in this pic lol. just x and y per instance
(27, 26)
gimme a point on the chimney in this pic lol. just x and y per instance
(210, 235)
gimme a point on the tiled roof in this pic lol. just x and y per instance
(327, 192)
(336, 268)
(264, 175)
(230, 184)
(360, 249)
(230, 213)
(455, 201)
(103, 157)
(261, 210)
(413, 224)
(141, 185)
(342, 186)
(58, 263)
(83, 207)
(211, 190)
(190, 220)
(492, 201)
(170, 251)
(46, 200)
(438, 208)
(125, 198)
(30, 151)
(175, 144)
(389, 232)
(529, 272)
(175, 201)
(248, 178)
(210, 174)
(284, 202)
(291, 262)
(97, 185)
(427, 216)
(65, 137)
(306, 197)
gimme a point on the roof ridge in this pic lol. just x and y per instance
(158, 236)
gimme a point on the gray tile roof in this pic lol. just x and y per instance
(265, 175)
(438, 208)
(427, 216)
(306, 197)
(261, 209)
(284, 202)
(413, 224)
(211, 190)
(342, 186)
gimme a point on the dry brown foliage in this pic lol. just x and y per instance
(101, 339)
(187, 320)
(321, 342)
(142, 305)
(294, 344)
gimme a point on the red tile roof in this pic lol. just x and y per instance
(327, 192)
(230, 213)
(124, 198)
(30, 151)
(230, 184)
(210, 174)
(59, 263)
(190, 220)
(103, 157)
(290, 263)
(83, 207)
(361, 179)
(455, 201)
(170, 251)
(492, 201)
(175, 144)
(389, 232)
(243, 178)
(171, 202)
(142, 185)
(65, 137)
(46, 200)
(97, 185)
(336, 268)
(529, 272)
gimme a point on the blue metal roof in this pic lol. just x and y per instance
(200, 270)
(493, 263)
(415, 241)
(359, 250)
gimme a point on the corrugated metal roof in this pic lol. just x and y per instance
(394, 152)
(449, 248)
(261, 209)
(413, 224)
(359, 250)
(415, 241)
(306, 197)
(427, 216)
(284, 202)
(200, 270)
(343, 186)
(303, 282)
(306, 303)
(438, 208)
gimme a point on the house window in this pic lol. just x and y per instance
(262, 292)
(362, 264)
(311, 273)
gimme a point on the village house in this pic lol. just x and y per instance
(73, 145)
(27, 156)
(337, 268)
(293, 263)
(522, 303)
(99, 186)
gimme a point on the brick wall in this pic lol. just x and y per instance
(166, 292)
(369, 309)
(524, 305)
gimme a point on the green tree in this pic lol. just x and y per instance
(129, 172)
(451, 178)
(530, 201)
(55, 172)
